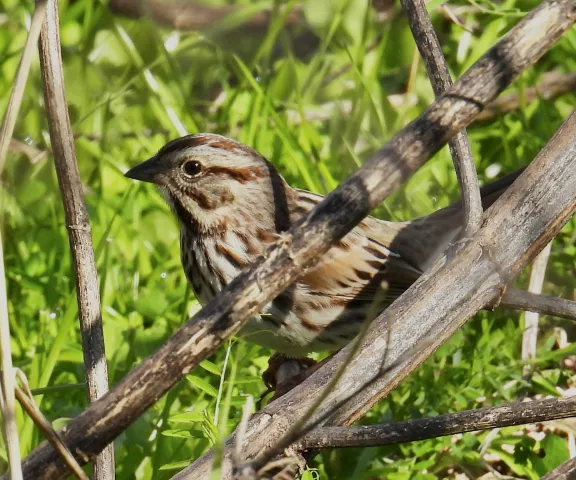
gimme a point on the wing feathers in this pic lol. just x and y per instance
(359, 268)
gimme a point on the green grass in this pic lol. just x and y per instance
(132, 86)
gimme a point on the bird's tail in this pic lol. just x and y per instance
(491, 192)
(420, 241)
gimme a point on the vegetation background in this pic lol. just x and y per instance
(316, 99)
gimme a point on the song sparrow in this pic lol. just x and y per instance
(231, 204)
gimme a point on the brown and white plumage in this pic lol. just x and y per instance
(231, 204)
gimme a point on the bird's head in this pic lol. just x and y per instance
(210, 180)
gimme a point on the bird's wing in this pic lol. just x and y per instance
(360, 267)
(378, 260)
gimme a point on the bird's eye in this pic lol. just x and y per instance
(192, 168)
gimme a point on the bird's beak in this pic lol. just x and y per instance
(148, 171)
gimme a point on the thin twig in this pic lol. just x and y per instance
(431, 51)
(77, 222)
(530, 334)
(246, 412)
(423, 428)
(543, 304)
(7, 400)
(24, 396)
(552, 85)
(15, 100)
(34, 154)
(450, 13)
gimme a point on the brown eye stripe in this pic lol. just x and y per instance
(241, 175)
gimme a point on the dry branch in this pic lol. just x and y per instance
(309, 238)
(431, 52)
(24, 396)
(552, 85)
(532, 302)
(77, 223)
(441, 425)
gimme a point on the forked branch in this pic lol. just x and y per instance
(431, 52)
(544, 304)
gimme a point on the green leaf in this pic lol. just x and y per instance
(152, 303)
(175, 465)
(202, 385)
(189, 417)
(210, 367)
(556, 452)
(545, 385)
(183, 433)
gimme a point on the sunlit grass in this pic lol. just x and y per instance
(132, 86)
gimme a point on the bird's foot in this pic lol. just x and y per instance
(284, 373)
